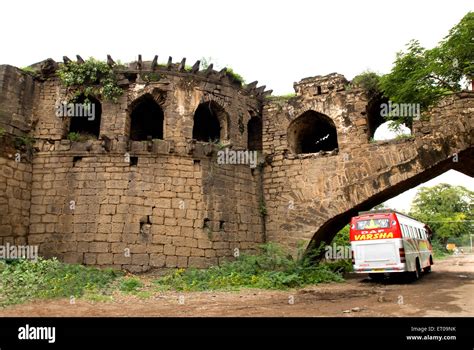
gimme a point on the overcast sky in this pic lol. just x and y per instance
(274, 42)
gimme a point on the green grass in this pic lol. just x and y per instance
(272, 269)
(130, 285)
(24, 280)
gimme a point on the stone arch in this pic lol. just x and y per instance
(254, 133)
(312, 132)
(211, 122)
(146, 119)
(327, 231)
(88, 121)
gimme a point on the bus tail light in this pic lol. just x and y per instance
(402, 254)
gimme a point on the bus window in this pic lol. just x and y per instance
(412, 234)
(404, 230)
(372, 223)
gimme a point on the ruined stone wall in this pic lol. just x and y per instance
(155, 209)
(15, 187)
(168, 202)
(17, 93)
(141, 204)
(309, 197)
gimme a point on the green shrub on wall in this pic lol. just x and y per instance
(91, 78)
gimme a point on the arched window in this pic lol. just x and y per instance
(85, 114)
(146, 120)
(254, 131)
(312, 132)
(210, 122)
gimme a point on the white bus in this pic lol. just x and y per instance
(386, 241)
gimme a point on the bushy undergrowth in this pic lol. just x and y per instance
(272, 269)
(23, 280)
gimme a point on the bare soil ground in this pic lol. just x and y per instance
(446, 291)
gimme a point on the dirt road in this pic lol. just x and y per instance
(447, 291)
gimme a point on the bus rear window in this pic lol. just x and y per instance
(372, 223)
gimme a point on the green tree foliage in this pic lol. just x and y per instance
(342, 237)
(423, 76)
(446, 209)
(369, 81)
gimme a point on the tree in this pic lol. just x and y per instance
(446, 209)
(368, 81)
(423, 76)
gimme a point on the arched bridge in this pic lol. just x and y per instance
(310, 196)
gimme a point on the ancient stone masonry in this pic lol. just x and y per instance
(125, 199)
(146, 189)
(312, 193)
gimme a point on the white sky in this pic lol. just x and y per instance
(275, 42)
(272, 41)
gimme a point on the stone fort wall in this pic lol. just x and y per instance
(165, 201)
(130, 204)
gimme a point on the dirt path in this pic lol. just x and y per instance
(447, 291)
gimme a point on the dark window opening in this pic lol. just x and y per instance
(206, 223)
(133, 161)
(319, 90)
(312, 132)
(146, 120)
(210, 122)
(86, 118)
(75, 160)
(254, 130)
(221, 225)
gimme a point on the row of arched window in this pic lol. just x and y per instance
(311, 132)
(211, 122)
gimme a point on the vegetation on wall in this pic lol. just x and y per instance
(91, 78)
(30, 70)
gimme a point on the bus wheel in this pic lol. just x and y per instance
(415, 275)
(427, 269)
(377, 277)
